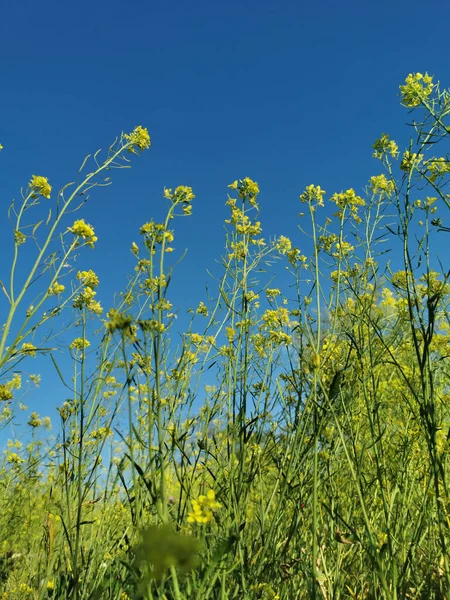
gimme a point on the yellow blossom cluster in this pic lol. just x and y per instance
(275, 318)
(138, 138)
(85, 231)
(410, 160)
(202, 309)
(384, 146)
(182, 195)
(348, 200)
(247, 190)
(6, 389)
(40, 186)
(272, 293)
(28, 348)
(416, 89)
(313, 195)
(156, 233)
(79, 344)
(343, 249)
(86, 298)
(56, 288)
(203, 507)
(243, 224)
(88, 278)
(156, 284)
(437, 167)
(283, 244)
(379, 184)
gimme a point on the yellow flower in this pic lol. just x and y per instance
(347, 199)
(55, 289)
(40, 185)
(313, 195)
(410, 160)
(272, 293)
(139, 138)
(275, 318)
(379, 185)
(283, 244)
(88, 278)
(202, 309)
(5, 392)
(28, 348)
(86, 298)
(417, 89)
(85, 231)
(34, 420)
(79, 344)
(383, 146)
(203, 507)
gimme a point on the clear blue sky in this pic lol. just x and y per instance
(288, 93)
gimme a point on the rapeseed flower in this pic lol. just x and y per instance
(40, 186)
(85, 231)
(56, 289)
(203, 507)
(417, 89)
(383, 146)
(28, 348)
(139, 138)
(88, 278)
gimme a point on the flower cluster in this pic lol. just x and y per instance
(28, 348)
(182, 195)
(380, 185)
(437, 167)
(410, 160)
(313, 195)
(79, 344)
(40, 186)
(155, 233)
(138, 138)
(384, 146)
(350, 200)
(242, 223)
(88, 278)
(85, 231)
(247, 190)
(55, 289)
(86, 298)
(202, 309)
(283, 244)
(203, 507)
(417, 89)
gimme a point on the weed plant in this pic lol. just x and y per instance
(316, 466)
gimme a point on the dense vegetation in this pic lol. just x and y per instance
(316, 463)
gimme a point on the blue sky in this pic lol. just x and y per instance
(288, 93)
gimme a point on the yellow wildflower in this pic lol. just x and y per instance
(417, 89)
(203, 507)
(138, 138)
(85, 231)
(40, 185)
(88, 278)
(55, 289)
(79, 344)
(28, 348)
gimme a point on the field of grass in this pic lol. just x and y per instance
(314, 466)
